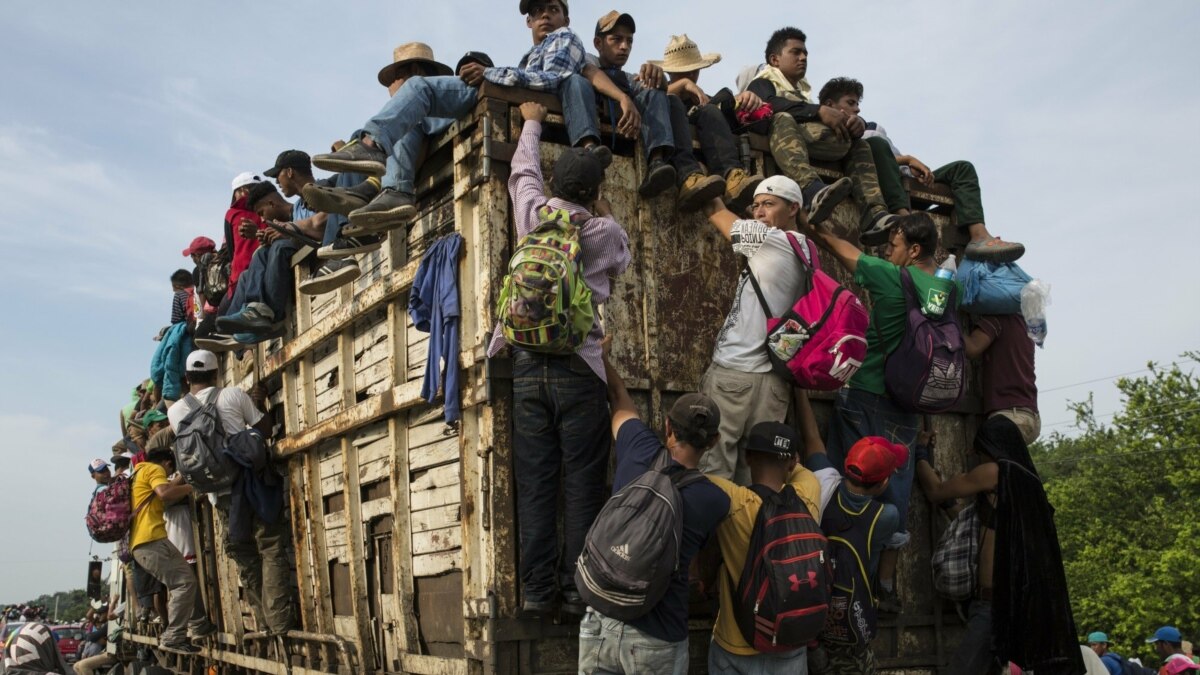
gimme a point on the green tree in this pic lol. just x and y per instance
(1127, 500)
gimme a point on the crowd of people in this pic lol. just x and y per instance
(747, 443)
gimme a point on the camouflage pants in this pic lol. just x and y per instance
(837, 659)
(794, 143)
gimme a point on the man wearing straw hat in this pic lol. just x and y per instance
(683, 61)
(552, 65)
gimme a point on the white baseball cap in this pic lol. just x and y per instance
(245, 178)
(782, 187)
(97, 465)
(201, 361)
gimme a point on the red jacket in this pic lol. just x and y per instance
(243, 249)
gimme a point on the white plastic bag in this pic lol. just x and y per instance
(1035, 296)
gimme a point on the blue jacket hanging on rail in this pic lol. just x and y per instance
(433, 306)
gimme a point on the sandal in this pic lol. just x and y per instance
(995, 250)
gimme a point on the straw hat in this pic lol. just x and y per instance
(411, 52)
(682, 55)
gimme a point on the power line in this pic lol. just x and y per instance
(1105, 379)
(1115, 455)
(1139, 418)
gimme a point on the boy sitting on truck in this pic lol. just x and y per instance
(555, 64)
(560, 402)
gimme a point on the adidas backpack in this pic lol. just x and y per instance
(632, 549)
(926, 373)
(820, 342)
(200, 445)
(111, 511)
(783, 596)
(544, 304)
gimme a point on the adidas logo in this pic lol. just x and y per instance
(622, 550)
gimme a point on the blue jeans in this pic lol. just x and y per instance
(725, 663)
(608, 646)
(402, 163)
(578, 100)
(860, 413)
(974, 653)
(336, 221)
(268, 279)
(655, 108)
(561, 434)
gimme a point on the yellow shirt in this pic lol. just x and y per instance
(148, 524)
(733, 535)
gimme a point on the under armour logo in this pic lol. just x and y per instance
(797, 583)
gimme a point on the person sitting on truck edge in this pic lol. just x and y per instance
(800, 129)
(771, 453)
(183, 298)
(682, 61)
(412, 59)
(657, 641)
(560, 402)
(740, 378)
(263, 565)
(613, 42)
(264, 295)
(242, 226)
(155, 554)
(293, 172)
(851, 518)
(554, 64)
(846, 95)
(864, 408)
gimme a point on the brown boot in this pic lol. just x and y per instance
(697, 189)
(739, 189)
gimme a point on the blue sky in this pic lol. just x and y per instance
(122, 124)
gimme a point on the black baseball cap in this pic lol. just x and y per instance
(474, 57)
(577, 175)
(697, 413)
(289, 159)
(776, 438)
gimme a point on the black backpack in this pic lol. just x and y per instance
(212, 280)
(852, 614)
(783, 596)
(1130, 668)
(632, 548)
(926, 373)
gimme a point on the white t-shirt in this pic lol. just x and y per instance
(178, 519)
(741, 344)
(234, 406)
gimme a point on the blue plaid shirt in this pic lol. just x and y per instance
(558, 56)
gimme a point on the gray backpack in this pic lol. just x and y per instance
(632, 549)
(199, 448)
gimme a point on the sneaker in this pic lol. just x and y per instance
(217, 343)
(995, 250)
(602, 153)
(209, 628)
(255, 317)
(337, 200)
(185, 647)
(391, 209)
(877, 233)
(354, 157)
(660, 176)
(331, 275)
(739, 189)
(572, 602)
(535, 609)
(697, 190)
(346, 247)
(826, 199)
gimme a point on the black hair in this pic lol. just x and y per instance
(259, 192)
(158, 455)
(566, 10)
(182, 278)
(780, 37)
(202, 377)
(583, 198)
(693, 437)
(839, 87)
(918, 228)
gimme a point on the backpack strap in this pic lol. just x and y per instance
(806, 255)
(681, 477)
(909, 288)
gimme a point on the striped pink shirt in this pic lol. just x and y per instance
(604, 244)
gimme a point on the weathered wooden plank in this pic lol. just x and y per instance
(427, 434)
(432, 665)
(319, 553)
(442, 452)
(393, 400)
(433, 564)
(376, 508)
(408, 634)
(442, 476)
(303, 543)
(355, 544)
(427, 499)
(445, 539)
(436, 518)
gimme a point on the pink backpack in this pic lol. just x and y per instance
(111, 511)
(820, 342)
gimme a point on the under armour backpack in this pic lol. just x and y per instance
(926, 372)
(783, 595)
(632, 549)
(111, 511)
(821, 341)
(200, 445)
(545, 305)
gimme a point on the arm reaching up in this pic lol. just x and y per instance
(619, 400)
(525, 182)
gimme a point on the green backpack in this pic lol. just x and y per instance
(545, 305)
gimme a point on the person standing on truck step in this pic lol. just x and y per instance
(864, 408)
(682, 61)
(157, 556)
(560, 402)
(846, 95)
(771, 449)
(613, 43)
(740, 378)
(555, 64)
(262, 564)
(656, 642)
(801, 129)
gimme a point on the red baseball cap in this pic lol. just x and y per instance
(874, 458)
(200, 245)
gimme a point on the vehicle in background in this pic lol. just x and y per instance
(69, 638)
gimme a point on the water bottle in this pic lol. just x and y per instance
(947, 269)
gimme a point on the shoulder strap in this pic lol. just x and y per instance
(764, 493)
(762, 299)
(909, 288)
(807, 254)
(687, 477)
